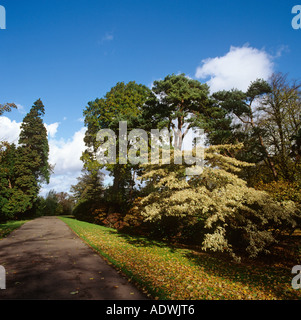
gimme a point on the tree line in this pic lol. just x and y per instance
(248, 195)
(246, 199)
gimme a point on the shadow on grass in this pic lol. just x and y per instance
(273, 280)
(142, 241)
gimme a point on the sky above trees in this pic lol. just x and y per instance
(71, 52)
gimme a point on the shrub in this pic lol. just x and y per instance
(231, 216)
(83, 210)
(98, 212)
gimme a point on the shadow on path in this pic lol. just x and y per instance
(45, 260)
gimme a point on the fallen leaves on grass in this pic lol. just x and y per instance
(181, 274)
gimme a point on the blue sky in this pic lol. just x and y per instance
(70, 52)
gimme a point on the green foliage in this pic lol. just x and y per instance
(31, 165)
(124, 102)
(65, 203)
(89, 185)
(18, 186)
(266, 118)
(7, 176)
(54, 204)
(34, 142)
(24, 168)
(83, 210)
(88, 194)
(177, 103)
(51, 204)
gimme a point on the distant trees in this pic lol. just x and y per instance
(89, 186)
(55, 203)
(24, 167)
(88, 194)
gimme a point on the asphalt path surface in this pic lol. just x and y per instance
(45, 260)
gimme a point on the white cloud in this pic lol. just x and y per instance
(52, 129)
(60, 183)
(9, 130)
(236, 69)
(65, 155)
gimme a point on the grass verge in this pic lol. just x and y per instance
(165, 272)
(9, 226)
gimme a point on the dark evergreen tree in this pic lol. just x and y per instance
(7, 178)
(33, 140)
(23, 169)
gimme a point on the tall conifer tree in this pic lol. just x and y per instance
(33, 139)
(32, 167)
(23, 169)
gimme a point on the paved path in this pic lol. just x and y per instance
(45, 260)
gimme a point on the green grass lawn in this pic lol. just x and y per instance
(166, 272)
(8, 227)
